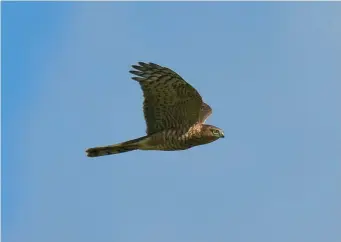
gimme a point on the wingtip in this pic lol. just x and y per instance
(137, 78)
(138, 73)
(154, 65)
(141, 63)
(145, 64)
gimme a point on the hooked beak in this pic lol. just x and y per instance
(222, 135)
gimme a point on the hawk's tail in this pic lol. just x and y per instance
(115, 149)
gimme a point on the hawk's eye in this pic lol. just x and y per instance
(215, 132)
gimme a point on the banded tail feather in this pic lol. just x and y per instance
(115, 149)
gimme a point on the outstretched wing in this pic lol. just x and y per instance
(205, 112)
(169, 101)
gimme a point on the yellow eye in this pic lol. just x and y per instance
(215, 132)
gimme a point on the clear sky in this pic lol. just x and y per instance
(270, 71)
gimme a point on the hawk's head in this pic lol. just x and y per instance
(212, 132)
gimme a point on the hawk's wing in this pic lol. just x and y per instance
(205, 112)
(169, 101)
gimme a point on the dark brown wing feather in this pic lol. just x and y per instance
(169, 101)
(205, 112)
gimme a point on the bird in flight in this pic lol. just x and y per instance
(174, 112)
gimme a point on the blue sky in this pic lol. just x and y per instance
(271, 73)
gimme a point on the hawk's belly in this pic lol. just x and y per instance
(169, 140)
